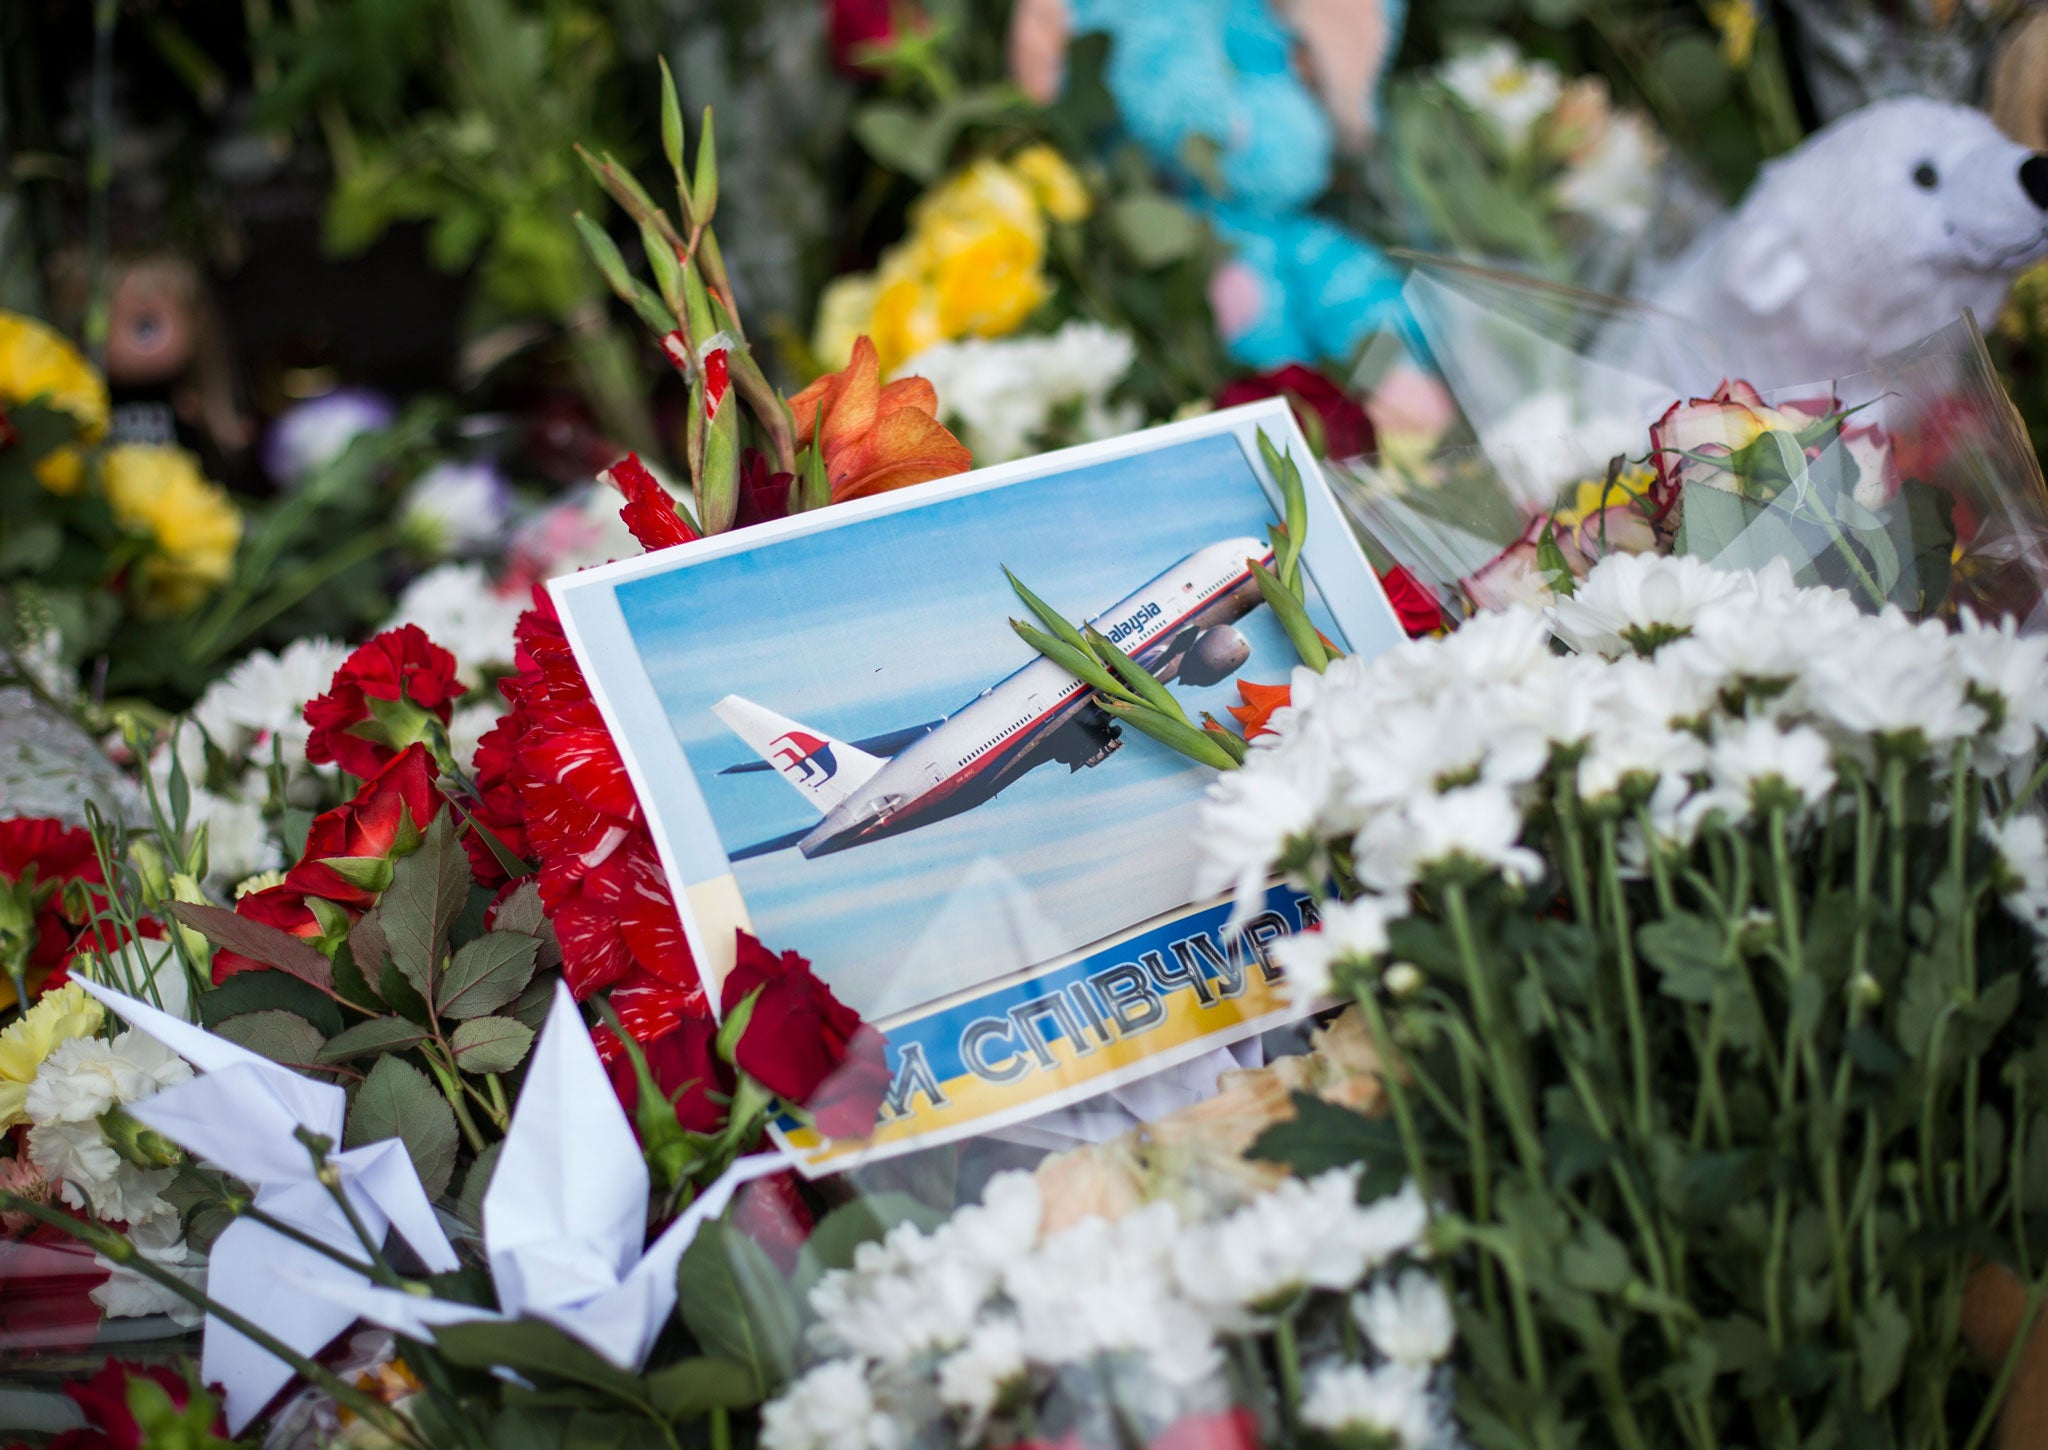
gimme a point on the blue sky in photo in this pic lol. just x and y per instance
(897, 620)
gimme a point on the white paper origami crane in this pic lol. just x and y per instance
(564, 1218)
(240, 1115)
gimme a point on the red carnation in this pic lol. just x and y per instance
(804, 1044)
(1332, 418)
(649, 512)
(38, 858)
(685, 1065)
(110, 1424)
(1414, 605)
(381, 700)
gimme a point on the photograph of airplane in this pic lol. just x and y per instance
(1177, 625)
(861, 687)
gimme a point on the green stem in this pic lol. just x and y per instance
(288, 591)
(1288, 1353)
(1631, 988)
(1509, 1084)
(317, 1148)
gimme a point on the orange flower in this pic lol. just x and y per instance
(1260, 701)
(877, 438)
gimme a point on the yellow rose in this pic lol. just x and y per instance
(60, 1015)
(37, 365)
(1058, 189)
(984, 195)
(194, 525)
(907, 320)
(988, 288)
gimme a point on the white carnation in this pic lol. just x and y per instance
(1003, 393)
(830, 1408)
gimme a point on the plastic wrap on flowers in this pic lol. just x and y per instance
(1909, 484)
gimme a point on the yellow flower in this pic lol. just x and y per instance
(988, 288)
(1591, 495)
(846, 309)
(1053, 182)
(57, 1017)
(195, 526)
(38, 366)
(1737, 21)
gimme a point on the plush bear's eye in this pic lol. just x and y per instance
(1925, 176)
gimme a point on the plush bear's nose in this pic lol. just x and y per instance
(2034, 178)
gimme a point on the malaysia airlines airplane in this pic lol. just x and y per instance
(1178, 626)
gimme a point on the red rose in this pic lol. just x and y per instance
(350, 848)
(804, 1044)
(278, 906)
(1416, 607)
(858, 27)
(380, 701)
(110, 1424)
(772, 1212)
(1335, 423)
(684, 1060)
(650, 511)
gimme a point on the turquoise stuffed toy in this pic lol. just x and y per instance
(1298, 288)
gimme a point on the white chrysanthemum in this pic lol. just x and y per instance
(1633, 602)
(2022, 845)
(1616, 185)
(238, 839)
(1103, 1287)
(2008, 672)
(1755, 760)
(457, 507)
(1418, 750)
(265, 694)
(1391, 1400)
(1305, 1234)
(460, 611)
(830, 1408)
(1351, 931)
(1631, 754)
(1252, 813)
(1004, 393)
(1476, 825)
(1510, 92)
(1901, 681)
(1410, 1320)
(975, 1378)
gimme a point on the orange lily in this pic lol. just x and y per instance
(1260, 701)
(877, 438)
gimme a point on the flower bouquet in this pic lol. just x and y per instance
(1910, 484)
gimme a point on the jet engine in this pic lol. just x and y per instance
(1215, 655)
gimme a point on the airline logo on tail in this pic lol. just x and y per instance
(824, 771)
(810, 757)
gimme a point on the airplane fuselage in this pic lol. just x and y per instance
(1011, 727)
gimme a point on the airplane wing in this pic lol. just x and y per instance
(883, 745)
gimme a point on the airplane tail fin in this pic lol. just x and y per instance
(824, 771)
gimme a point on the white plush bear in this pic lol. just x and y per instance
(1879, 229)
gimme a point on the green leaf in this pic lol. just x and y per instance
(538, 1351)
(1155, 230)
(283, 1037)
(691, 1387)
(475, 1183)
(521, 911)
(1051, 618)
(258, 991)
(1321, 1136)
(491, 1044)
(397, 1100)
(738, 1305)
(487, 973)
(379, 1034)
(903, 140)
(257, 941)
(1686, 951)
(1883, 1335)
(1595, 1260)
(429, 888)
(1293, 617)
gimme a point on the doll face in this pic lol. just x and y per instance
(150, 337)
